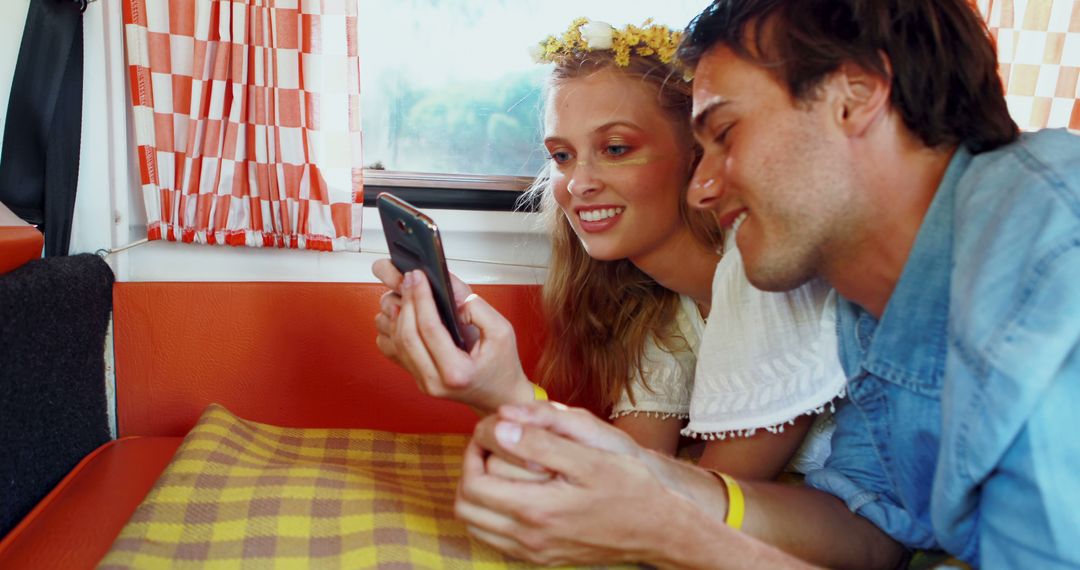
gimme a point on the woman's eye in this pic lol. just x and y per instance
(560, 156)
(617, 149)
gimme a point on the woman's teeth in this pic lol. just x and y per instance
(738, 222)
(597, 215)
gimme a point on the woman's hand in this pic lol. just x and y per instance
(390, 305)
(499, 466)
(412, 335)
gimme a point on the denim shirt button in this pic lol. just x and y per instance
(864, 330)
(858, 388)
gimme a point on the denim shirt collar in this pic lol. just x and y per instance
(909, 345)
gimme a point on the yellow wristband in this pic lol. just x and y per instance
(736, 503)
(539, 394)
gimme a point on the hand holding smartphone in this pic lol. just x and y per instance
(414, 243)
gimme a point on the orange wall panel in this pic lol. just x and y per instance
(19, 241)
(293, 354)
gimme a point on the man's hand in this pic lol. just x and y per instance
(412, 335)
(608, 500)
(603, 506)
(598, 434)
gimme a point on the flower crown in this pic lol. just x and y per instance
(649, 40)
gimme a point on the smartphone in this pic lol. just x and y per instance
(414, 243)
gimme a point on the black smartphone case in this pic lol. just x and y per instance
(414, 243)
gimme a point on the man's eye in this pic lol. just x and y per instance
(722, 137)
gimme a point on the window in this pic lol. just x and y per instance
(447, 86)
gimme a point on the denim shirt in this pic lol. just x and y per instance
(960, 427)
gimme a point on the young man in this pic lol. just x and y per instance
(867, 142)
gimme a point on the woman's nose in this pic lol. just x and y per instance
(583, 181)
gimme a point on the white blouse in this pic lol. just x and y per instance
(762, 360)
(666, 393)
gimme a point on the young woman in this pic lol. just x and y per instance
(633, 274)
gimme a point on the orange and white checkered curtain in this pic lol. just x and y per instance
(247, 120)
(1038, 45)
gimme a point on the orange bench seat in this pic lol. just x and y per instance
(75, 524)
(289, 354)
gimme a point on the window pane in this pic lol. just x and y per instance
(447, 86)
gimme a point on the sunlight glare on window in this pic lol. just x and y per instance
(447, 86)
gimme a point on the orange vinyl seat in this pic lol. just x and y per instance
(291, 354)
(74, 525)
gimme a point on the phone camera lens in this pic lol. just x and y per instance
(404, 227)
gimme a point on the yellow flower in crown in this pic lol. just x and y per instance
(584, 35)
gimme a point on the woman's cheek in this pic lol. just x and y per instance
(558, 187)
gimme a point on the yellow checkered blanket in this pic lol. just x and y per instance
(239, 494)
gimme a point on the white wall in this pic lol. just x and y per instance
(102, 219)
(12, 20)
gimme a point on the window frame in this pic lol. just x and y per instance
(477, 192)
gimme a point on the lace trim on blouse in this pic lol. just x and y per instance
(655, 415)
(829, 406)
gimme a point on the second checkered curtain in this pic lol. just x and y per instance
(247, 121)
(1039, 49)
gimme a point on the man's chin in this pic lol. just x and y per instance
(776, 279)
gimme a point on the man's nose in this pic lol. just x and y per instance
(706, 190)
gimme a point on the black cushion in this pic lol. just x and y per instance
(54, 313)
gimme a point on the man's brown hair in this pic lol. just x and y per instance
(939, 55)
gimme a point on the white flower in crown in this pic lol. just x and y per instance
(598, 35)
(536, 52)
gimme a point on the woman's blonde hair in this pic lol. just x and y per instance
(600, 314)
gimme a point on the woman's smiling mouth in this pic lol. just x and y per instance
(598, 219)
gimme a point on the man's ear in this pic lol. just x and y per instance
(862, 97)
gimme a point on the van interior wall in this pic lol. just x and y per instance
(12, 21)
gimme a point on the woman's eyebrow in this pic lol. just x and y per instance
(612, 124)
(599, 129)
